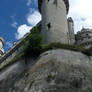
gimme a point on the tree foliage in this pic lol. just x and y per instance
(33, 45)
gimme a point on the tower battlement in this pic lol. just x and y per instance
(65, 1)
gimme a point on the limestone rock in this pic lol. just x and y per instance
(57, 71)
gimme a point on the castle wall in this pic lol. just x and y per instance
(57, 71)
(14, 72)
(15, 49)
(54, 21)
(71, 30)
(84, 38)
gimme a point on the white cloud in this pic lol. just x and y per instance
(28, 2)
(22, 30)
(9, 44)
(33, 2)
(14, 24)
(34, 18)
(80, 10)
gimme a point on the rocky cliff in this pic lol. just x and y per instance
(54, 71)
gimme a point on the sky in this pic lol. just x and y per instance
(17, 17)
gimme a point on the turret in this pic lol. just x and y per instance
(54, 20)
(71, 30)
(1, 46)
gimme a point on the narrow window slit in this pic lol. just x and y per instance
(49, 26)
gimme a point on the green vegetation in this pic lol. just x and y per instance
(43, 90)
(33, 46)
(31, 84)
(50, 77)
(27, 74)
(89, 90)
(65, 46)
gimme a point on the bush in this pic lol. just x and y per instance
(33, 46)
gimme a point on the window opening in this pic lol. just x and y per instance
(49, 26)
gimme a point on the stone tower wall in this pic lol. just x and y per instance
(54, 21)
(71, 30)
(84, 38)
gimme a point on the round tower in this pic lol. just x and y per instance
(54, 20)
(1, 46)
(71, 30)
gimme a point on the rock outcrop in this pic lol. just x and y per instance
(57, 71)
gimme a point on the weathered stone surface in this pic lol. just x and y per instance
(57, 71)
(54, 21)
(14, 72)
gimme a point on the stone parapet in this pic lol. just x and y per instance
(65, 1)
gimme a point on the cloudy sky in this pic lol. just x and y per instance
(17, 17)
(80, 11)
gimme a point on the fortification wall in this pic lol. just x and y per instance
(57, 71)
(9, 75)
(15, 49)
(84, 38)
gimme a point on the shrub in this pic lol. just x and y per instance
(50, 78)
(33, 46)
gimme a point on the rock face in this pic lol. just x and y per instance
(57, 71)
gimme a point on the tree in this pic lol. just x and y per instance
(33, 46)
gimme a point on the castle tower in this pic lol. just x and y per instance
(1, 46)
(84, 38)
(54, 20)
(71, 30)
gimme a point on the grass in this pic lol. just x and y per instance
(52, 46)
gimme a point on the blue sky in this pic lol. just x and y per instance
(17, 17)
